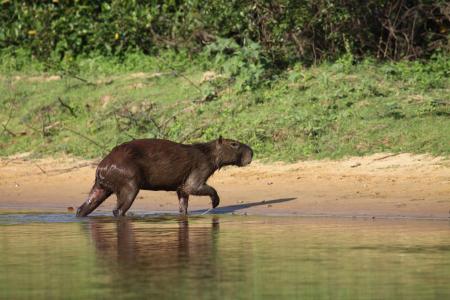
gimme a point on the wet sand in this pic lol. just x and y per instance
(380, 185)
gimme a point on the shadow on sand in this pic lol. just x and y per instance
(232, 208)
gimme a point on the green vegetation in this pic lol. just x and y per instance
(308, 79)
(330, 110)
(286, 30)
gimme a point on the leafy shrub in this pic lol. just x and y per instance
(244, 64)
(424, 75)
(285, 31)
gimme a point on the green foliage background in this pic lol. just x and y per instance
(286, 30)
(294, 79)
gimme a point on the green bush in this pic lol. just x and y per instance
(285, 31)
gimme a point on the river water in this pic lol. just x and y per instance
(51, 256)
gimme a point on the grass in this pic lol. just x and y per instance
(327, 111)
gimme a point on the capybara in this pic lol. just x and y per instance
(162, 165)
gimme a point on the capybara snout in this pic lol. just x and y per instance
(247, 156)
(232, 152)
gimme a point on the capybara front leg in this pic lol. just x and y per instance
(183, 199)
(125, 198)
(206, 190)
(95, 198)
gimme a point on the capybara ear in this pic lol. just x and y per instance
(220, 140)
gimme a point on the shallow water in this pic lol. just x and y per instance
(50, 256)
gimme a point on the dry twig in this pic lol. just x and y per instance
(72, 112)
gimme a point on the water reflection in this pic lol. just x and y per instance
(226, 257)
(155, 257)
(192, 258)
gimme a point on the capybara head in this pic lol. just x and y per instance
(231, 152)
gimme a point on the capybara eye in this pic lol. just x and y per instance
(234, 144)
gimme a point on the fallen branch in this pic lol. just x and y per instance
(5, 126)
(42, 170)
(55, 171)
(66, 170)
(5, 129)
(387, 156)
(86, 138)
(68, 74)
(176, 73)
(160, 133)
(72, 112)
(190, 133)
(48, 127)
(79, 78)
(32, 128)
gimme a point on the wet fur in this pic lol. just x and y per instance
(155, 164)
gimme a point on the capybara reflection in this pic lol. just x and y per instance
(148, 245)
(156, 164)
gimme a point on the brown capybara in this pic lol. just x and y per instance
(162, 165)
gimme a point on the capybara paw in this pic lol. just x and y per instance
(79, 213)
(116, 212)
(215, 202)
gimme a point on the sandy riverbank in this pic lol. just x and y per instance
(380, 185)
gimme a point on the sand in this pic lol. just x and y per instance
(381, 185)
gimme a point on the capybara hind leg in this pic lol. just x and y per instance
(183, 199)
(125, 198)
(96, 196)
